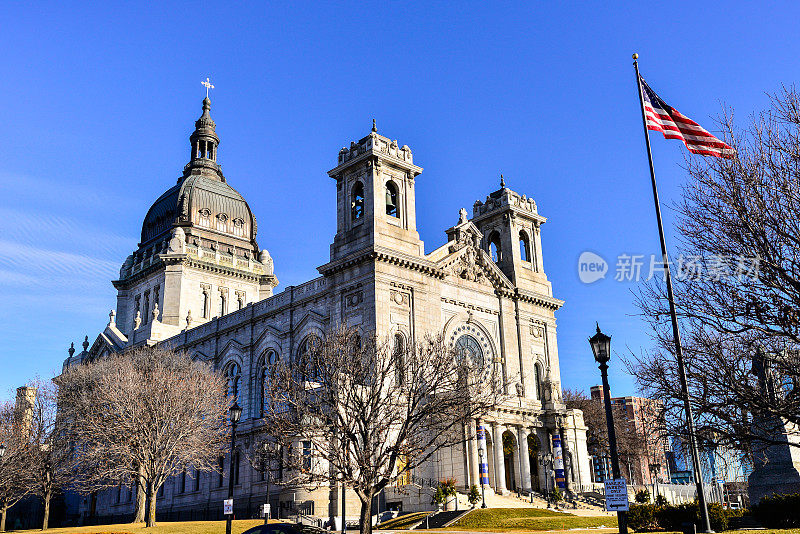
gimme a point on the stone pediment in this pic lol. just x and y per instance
(466, 261)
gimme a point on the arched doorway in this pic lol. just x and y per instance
(533, 457)
(509, 454)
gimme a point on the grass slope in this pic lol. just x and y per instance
(526, 519)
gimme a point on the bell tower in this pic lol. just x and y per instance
(511, 228)
(375, 202)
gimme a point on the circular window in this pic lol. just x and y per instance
(468, 347)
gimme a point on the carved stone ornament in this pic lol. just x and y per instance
(155, 313)
(189, 320)
(462, 216)
(400, 298)
(467, 267)
(137, 322)
(177, 242)
(353, 299)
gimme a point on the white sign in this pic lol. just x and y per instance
(616, 495)
(264, 510)
(227, 507)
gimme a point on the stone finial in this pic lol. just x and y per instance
(155, 313)
(502, 181)
(462, 216)
(189, 320)
(111, 315)
(85, 343)
(137, 322)
(374, 127)
(71, 349)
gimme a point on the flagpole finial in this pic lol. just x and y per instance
(635, 56)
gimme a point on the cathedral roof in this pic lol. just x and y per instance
(202, 202)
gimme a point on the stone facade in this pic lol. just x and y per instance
(200, 284)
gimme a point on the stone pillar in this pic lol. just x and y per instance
(472, 451)
(526, 461)
(499, 459)
(516, 461)
(568, 473)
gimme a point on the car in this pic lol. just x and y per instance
(285, 528)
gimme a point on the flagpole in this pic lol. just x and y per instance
(698, 474)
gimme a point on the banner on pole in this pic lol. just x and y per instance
(558, 462)
(227, 507)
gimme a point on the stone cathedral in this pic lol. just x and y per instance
(200, 282)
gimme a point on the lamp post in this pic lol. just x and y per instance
(547, 463)
(268, 452)
(236, 413)
(601, 347)
(480, 477)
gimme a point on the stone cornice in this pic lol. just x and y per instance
(383, 254)
(185, 259)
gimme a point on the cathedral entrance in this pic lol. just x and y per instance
(509, 453)
(533, 458)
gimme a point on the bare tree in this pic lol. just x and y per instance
(144, 415)
(49, 451)
(359, 412)
(15, 481)
(737, 287)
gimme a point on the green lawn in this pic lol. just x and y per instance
(526, 519)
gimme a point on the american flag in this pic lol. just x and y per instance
(674, 125)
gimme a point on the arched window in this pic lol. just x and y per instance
(232, 377)
(221, 304)
(238, 227)
(269, 361)
(399, 358)
(495, 250)
(391, 199)
(306, 356)
(205, 217)
(204, 303)
(468, 346)
(538, 378)
(357, 201)
(524, 246)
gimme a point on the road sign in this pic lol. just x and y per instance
(265, 510)
(616, 495)
(227, 507)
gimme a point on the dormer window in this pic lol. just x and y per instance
(222, 222)
(391, 199)
(205, 218)
(238, 227)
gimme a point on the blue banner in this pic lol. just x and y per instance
(483, 467)
(558, 462)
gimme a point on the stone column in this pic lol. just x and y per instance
(472, 450)
(526, 461)
(567, 461)
(516, 461)
(499, 459)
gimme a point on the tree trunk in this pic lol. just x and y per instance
(365, 523)
(47, 495)
(151, 505)
(3, 512)
(141, 500)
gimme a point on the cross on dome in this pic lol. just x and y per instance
(207, 84)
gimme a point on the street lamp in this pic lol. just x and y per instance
(480, 477)
(235, 413)
(601, 347)
(547, 463)
(268, 452)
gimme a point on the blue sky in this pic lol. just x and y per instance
(98, 101)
